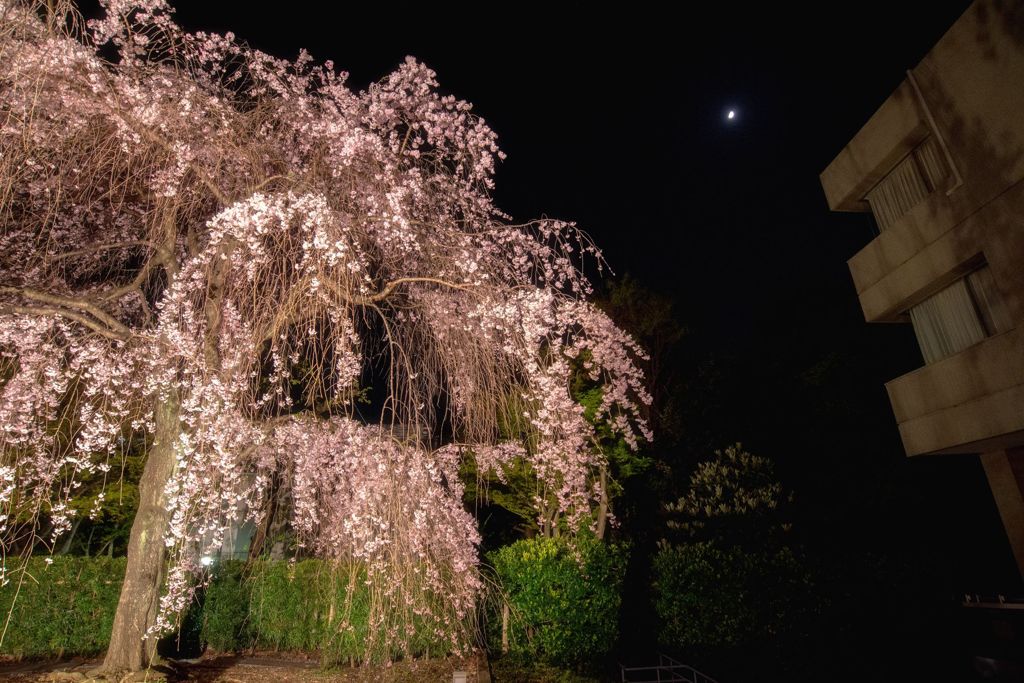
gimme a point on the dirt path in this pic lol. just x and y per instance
(259, 668)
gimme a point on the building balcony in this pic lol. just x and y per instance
(970, 402)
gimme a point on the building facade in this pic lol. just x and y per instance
(940, 166)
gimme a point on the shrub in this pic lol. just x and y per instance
(563, 598)
(299, 606)
(67, 608)
(64, 608)
(225, 609)
(711, 599)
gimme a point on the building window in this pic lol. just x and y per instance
(908, 183)
(959, 316)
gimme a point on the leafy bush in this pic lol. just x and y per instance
(709, 598)
(298, 606)
(225, 609)
(733, 495)
(521, 669)
(65, 608)
(732, 589)
(563, 598)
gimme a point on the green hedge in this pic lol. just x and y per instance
(65, 608)
(298, 606)
(275, 605)
(716, 599)
(563, 597)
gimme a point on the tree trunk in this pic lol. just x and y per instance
(602, 509)
(66, 548)
(138, 606)
(266, 525)
(504, 627)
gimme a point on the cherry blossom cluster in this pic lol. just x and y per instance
(48, 444)
(363, 497)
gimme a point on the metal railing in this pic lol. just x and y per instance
(667, 670)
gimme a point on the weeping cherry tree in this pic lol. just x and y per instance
(205, 250)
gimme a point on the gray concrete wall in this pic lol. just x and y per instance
(970, 93)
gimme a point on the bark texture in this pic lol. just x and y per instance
(139, 603)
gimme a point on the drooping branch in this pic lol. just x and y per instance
(163, 256)
(152, 136)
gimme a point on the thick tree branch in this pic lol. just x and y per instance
(163, 256)
(104, 247)
(391, 286)
(54, 311)
(83, 305)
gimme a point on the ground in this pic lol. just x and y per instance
(256, 668)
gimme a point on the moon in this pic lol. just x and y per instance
(731, 115)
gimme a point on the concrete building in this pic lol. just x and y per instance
(940, 167)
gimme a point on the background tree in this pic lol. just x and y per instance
(650, 317)
(206, 249)
(731, 589)
(734, 497)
